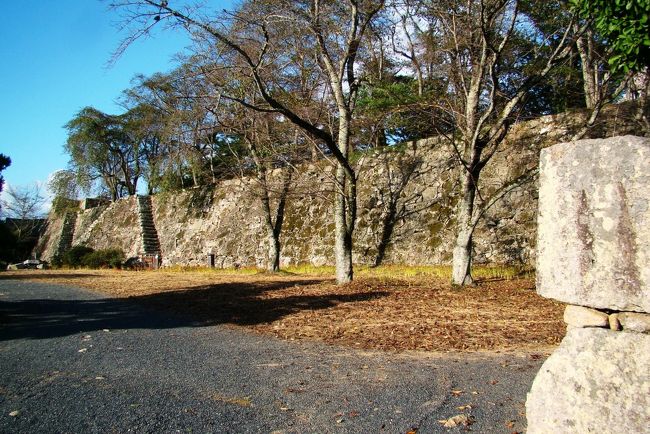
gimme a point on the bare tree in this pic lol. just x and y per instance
(23, 207)
(488, 85)
(24, 202)
(256, 37)
(273, 151)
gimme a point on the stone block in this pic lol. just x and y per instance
(634, 322)
(614, 323)
(594, 223)
(597, 381)
(579, 316)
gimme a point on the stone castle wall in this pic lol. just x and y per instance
(418, 182)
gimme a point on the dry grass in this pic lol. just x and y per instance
(417, 311)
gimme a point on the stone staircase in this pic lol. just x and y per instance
(150, 242)
(67, 233)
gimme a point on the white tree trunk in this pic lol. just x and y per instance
(344, 208)
(462, 259)
(274, 252)
(342, 238)
(462, 256)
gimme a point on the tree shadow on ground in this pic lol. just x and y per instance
(45, 275)
(223, 303)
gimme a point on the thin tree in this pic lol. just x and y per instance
(332, 31)
(488, 83)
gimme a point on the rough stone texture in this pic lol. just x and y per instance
(227, 222)
(614, 322)
(597, 381)
(48, 242)
(115, 226)
(594, 223)
(579, 316)
(634, 322)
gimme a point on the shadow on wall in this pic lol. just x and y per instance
(236, 303)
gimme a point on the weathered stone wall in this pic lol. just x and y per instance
(418, 182)
(115, 226)
(593, 252)
(48, 242)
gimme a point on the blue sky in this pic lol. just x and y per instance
(54, 55)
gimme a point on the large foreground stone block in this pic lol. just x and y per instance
(597, 381)
(594, 223)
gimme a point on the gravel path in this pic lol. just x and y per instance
(74, 361)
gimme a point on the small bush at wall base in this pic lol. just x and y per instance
(73, 258)
(108, 258)
(82, 256)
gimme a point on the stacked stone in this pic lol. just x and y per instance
(580, 316)
(594, 254)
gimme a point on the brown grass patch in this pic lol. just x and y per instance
(420, 313)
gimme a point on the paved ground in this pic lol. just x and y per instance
(74, 361)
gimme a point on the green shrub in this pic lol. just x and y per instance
(74, 257)
(107, 258)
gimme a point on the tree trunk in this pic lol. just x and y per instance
(274, 252)
(462, 259)
(272, 229)
(462, 256)
(344, 209)
(273, 226)
(342, 237)
(590, 72)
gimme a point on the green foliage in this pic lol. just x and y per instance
(108, 149)
(61, 205)
(107, 258)
(626, 26)
(387, 96)
(83, 256)
(73, 258)
(4, 163)
(65, 188)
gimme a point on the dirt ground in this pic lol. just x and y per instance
(419, 313)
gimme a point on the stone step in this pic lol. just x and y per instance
(150, 241)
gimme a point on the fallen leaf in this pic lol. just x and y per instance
(14, 413)
(339, 420)
(457, 392)
(100, 378)
(464, 407)
(83, 350)
(459, 419)
(292, 390)
(413, 431)
(242, 401)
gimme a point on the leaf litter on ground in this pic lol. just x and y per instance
(420, 313)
